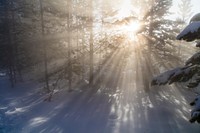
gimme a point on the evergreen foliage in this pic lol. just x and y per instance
(189, 73)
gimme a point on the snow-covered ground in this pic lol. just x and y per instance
(122, 103)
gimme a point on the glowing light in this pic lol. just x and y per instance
(126, 22)
(131, 29)
(130, 25)
(133, 26)
(125, 10)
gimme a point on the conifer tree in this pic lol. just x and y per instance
(185, 10)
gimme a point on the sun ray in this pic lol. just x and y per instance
(126, 22)
(125, 10)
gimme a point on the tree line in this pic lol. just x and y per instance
(57, 40)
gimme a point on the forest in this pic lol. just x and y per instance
(99, 66)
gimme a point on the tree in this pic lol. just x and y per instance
(185, 10)
(9, 42)
(44, 47)
(190, 73)
(91, 45)
(158, 33)
(158, 30)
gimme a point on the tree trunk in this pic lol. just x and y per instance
(83, 56)
(91, 78)
(15, 46)
(10, 46)
(69, 47)
(44, 47)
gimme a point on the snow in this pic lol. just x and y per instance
(190, 32)
(197, 103)
(120, 105)
(198, 44)
(195, 18)
(195, 113)
(179, 74)
(15, 111)
(164, 78)
(194, 59)
(37, 121)
(2, 73)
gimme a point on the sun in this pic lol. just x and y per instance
(126, 21)
(132, 29)
(133, 26)
(127, 15)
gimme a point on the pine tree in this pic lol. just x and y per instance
(191, 68)
(185, 10)
(190, 72)
(159, 33)
(158, 30)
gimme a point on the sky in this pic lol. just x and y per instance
(195, 9)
